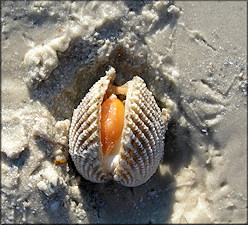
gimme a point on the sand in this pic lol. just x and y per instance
(192, 54)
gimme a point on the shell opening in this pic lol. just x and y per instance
(112, 123)
(120, 91)
(113, 157)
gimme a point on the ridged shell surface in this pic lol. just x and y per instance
(84, 134)
(142, 140)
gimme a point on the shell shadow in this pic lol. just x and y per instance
(177, 153)
(114, 203)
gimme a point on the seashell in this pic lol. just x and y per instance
(136, 154)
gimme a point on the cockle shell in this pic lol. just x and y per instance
(142, 139)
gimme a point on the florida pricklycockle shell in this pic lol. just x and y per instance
(137, 153)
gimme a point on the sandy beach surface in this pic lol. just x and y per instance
(192, 54)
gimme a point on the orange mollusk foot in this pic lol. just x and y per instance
(112, 121)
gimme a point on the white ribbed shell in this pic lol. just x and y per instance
(142, 140)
